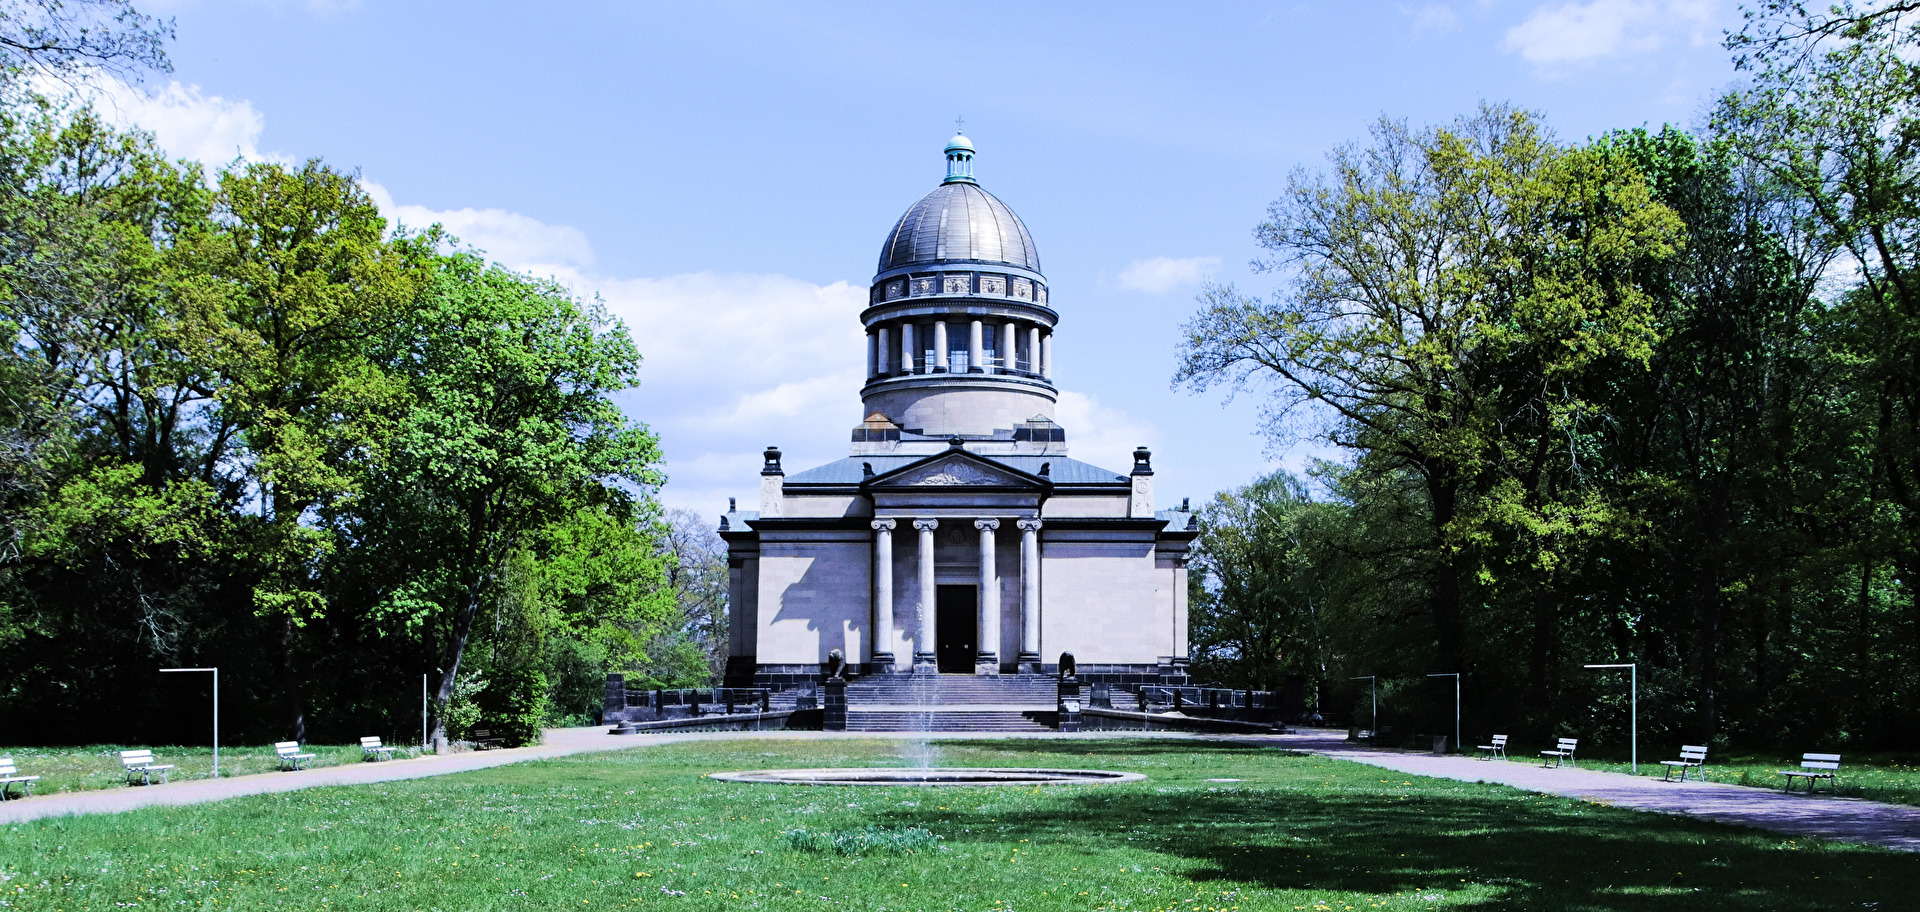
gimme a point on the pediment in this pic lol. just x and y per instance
(956, 470)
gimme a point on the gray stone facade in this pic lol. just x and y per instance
(958, 537)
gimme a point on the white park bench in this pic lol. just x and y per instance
(1497, 749)
(141, 761)
(371, 747)
(290, 755)
(1692, 756)
(1561, 754)
(1813, 768)
(9, 775)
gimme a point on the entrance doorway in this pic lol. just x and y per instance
(956, 633)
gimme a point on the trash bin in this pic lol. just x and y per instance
(1439, 744)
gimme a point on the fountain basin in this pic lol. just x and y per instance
(962, 776)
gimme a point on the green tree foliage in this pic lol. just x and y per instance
(1704, 464)
(691, 649)
(246, 424)
(1265, 570)
(508, 444)
(1438, 283)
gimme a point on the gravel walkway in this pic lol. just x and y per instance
(1895, 826)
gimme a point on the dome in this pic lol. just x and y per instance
(959, 222)
(959, 143)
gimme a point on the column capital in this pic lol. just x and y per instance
(926, 525)
(1029, 525)
(986, 525)
(883, 525)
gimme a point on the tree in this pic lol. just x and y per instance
(507, 445)
(1431, 279)
(277, 302)
(1266, 576)
(63, 38)
(1833, 115)
(696, 561)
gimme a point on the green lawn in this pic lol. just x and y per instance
(643, 828)
(97, 766)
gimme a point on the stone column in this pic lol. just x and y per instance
(882, 596)
(1029, 660)
(924, 660)
(906, 348)
(872, 354)
(940, 346)
(1046, 356)
(1009, 348)
(988, 661)
(1033, 349)
(885, 353)
(977, 349)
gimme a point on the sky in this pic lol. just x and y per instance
(722, 174)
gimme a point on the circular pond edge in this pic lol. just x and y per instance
(975, 776)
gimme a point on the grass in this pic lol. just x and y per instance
(73, 769)
(644, 829)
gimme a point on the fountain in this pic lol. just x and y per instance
(919, 751)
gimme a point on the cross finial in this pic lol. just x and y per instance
(959, 125)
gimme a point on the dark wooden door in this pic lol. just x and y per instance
(956, 634)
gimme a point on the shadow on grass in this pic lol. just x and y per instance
(1535, 851)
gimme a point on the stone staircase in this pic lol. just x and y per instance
(949, 703)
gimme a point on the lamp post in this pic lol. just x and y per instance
(216, 712)
(1374, 685)
(1633, 717)
(1456, 703)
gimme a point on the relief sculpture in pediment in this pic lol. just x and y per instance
(955, 474)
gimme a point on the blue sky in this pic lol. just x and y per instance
(722, 173)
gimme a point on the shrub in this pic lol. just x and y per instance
(514, 704)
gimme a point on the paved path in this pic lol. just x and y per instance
(1894, 826)
(559, 742)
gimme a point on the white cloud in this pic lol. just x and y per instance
(1164, 274)
(1100, 434)
(185, 121)
(732, 362)
(735, 363)
(1577, 33)
(518, 241)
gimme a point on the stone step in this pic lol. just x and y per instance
(957, 688)
(941, 721)
(951, 692)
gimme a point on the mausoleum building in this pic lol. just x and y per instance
(958, 536)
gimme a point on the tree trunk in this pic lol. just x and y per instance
(296, 704)
(456, 647)
(1444, 601)
(1540, 653)
(1709, 649)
